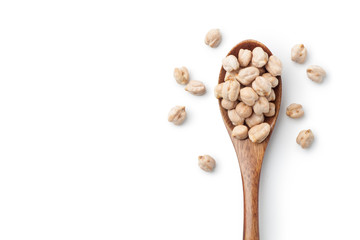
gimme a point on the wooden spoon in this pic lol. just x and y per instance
(250, 155)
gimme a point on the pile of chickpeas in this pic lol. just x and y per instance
(247, 92)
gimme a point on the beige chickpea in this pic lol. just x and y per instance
(213, 38)
(230, 90)
(228, 104)
(274, 66)
(218, 90)
(177, 115)
(206, 163)
(259, 57)
(273, 80)
(235, 118)
(298, 53)
(247, 75)
(181, 75)
(261, 106)
(271, 96)
(271, 112)
(243, 110)
(261, 86)
(230, 75)
(244, 57)
(254, 120)
(248, 96)
(230, 63)
(295, 110)
(240, 132)
(196, 88)
(316, 73)
(259, 133)
(305, 138)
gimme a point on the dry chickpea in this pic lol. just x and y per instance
(244, 57)
(298, 53)
(274, 66)
(177, 115)
(230, 63)
(305, 138)
(316, 73)
(230, 90)
(218, 90)
(271, 110)
(261, 106)
(181, 75)
(230, 76)
(248, 96)
(235, 118)
(259, 133)
(228, 105)
(206, 163)
(213, 38)
(243, 110)
(261, 86)
(273, 80)
(254, 120)
(240, 132)
(272, 96)
(259, 58)
(247, 75)
(195, 87)
(295, 110)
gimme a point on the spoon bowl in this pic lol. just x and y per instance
(250, 155)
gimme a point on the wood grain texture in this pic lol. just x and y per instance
(250, 155)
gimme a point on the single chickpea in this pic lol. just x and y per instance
(259, 58)
(274, 66)
(272, 96)
(218, 90)
(243, 110)
(235, 118)
(247, 75)
(228, 105)
(181, 75)
(295, 110)
(230, 63)
(273, 80)
(177, 115)
(259, 133)
(230, 90)
(271, 112)
(248, 96)
(206, 163)
(316, 73)
(261, 106)
(230, 75)
(298, 53)
(261, 86)
(195, 87)
(244, 57)
(305, 138)
(240, 132)
(254, 120)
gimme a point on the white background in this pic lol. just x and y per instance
(86, 151)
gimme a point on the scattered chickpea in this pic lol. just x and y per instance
(244, 57)
(235, 118)
(295, 110)
(254, 120)
(261, 106)
(181, 75)
(261, 86)
(240, 132)
(298, 53)
(247, 75)
(305, 138)
(243, 110)
(196, 88)
(177, 115)
(260, 57)
(259, 133)
(230, 63)
(228, 104)
(274, 66)
(206, 163)
(230, 90)
(213, 38)
(315, 73)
